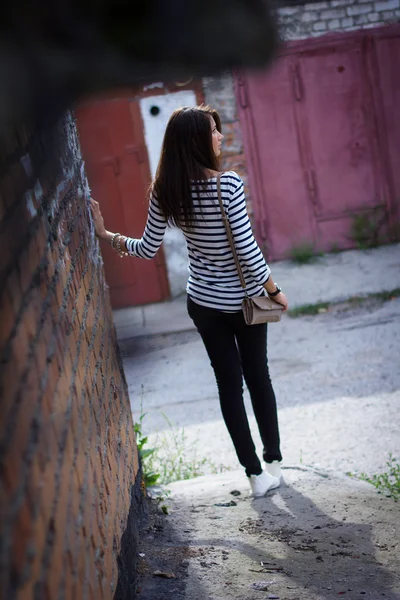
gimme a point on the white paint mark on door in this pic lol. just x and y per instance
(156, 111)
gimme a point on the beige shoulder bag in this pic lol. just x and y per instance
(258, 309)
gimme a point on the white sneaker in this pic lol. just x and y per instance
(274, 469)
(261, 484)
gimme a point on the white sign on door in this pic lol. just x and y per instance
(156, 111)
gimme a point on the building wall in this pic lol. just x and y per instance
(69, 470)
(310, 20)
(219, 93)
(296, 22)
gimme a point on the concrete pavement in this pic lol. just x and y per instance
(330, 278)
(336, 376)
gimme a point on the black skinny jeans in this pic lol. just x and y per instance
(236, 350)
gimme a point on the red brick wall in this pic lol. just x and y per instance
(219, 93)
(68, 459)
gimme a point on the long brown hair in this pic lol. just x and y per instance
(186, 156)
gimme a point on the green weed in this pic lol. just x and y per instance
(175, 459)
(335, 248)
(388, 482)
(385, 296)
(354, 301)
(304, 253)
(150, 477)
(169, 459)
(309, 309)
(365, 229)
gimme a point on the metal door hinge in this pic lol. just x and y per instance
(297, 82)
(111, 161)
(242, 92)
(138, 150)
(312, 185)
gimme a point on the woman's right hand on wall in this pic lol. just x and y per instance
(97, 219)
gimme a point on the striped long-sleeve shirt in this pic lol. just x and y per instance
(213, 278)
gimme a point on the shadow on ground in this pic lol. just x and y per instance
(319, 536)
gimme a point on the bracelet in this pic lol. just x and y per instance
(113, 239)
(121, 252)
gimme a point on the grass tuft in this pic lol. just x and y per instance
(167, 459)
(322, 307)
(304, 253)
(387, 482)
(175, 459)
(309, 309)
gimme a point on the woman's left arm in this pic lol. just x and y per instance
(247, 248)
(145, 247)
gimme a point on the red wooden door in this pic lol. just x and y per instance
(310, 125)
(116, 162)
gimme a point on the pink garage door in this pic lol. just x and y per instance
(314, 130)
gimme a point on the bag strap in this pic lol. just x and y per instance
(229, 234)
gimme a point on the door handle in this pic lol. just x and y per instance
(111, 161)
(138, 150)
(312, 186)
(242, 93)
(297, 83)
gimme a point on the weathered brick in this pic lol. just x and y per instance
(54, 390)
(317, 6)
(320, 26)
(232, 142)
(288, 10)
(359, 9)
(387, 5)
(19, 352)
(23, 531)
(37, 543)
(12, 462)
(46, 496)
(373, 17)
(334, 24)
(8, 314)
(309, 17)
(337, 13)
(218, 91)
(361, 20)
(235, 163)
(347, 22)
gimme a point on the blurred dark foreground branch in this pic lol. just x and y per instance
(53, 52)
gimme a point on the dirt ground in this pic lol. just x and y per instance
(318, 537)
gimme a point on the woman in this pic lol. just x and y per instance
(184, 194)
